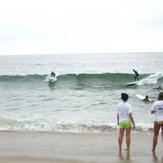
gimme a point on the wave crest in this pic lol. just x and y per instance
(104, 80)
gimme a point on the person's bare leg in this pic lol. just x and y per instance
(120, 139)
(155, 135)
(162, 132)
(128, 138)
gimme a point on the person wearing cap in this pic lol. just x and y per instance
(125, 121)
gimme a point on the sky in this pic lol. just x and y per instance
(80, 26)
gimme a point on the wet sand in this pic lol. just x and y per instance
(41, 147)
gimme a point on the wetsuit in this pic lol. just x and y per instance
(136, 75)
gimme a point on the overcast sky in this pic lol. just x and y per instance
(80, 26)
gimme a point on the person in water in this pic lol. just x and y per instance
(136, 75)
(52, 74)
(125, 121)
(146, 99)
(159, 88)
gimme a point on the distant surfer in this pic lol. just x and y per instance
(51, 77)
(146, 99)
(136, 75)
(159, 88)
(52, 74)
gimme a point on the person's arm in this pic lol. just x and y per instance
(132, 119)
(153, 111)
(117, 119)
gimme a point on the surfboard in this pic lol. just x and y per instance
(141, 97)
(50, 79)
(132, 83)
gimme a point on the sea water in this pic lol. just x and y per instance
(85, 95)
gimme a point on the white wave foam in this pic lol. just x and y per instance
(50, 79)
(71, 127)
(152, 79)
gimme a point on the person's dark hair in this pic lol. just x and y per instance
(160, 96)
(124, 96)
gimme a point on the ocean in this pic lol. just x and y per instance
(85, 95)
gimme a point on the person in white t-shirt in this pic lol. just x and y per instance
(157, 110)
(125, 121)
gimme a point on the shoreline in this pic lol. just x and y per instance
(41, 147)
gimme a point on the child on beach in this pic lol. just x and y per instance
(125, 121)
(157, 110)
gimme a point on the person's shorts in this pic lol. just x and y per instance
(125, 124)
(160, 122)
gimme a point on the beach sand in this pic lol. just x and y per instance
(45, 147)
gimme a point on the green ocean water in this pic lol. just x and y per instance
(84, 96)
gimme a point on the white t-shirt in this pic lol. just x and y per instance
(158, 108)
(123, 110)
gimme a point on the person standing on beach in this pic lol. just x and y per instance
(157, 110)
(136, 75)
(125, 121)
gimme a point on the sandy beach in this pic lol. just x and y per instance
(23, 147)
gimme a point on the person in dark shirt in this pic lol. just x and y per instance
(136, 75)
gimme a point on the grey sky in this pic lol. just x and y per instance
(80, 26)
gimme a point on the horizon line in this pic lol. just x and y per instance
(80, 53)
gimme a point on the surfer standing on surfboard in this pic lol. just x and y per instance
(136, 75)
